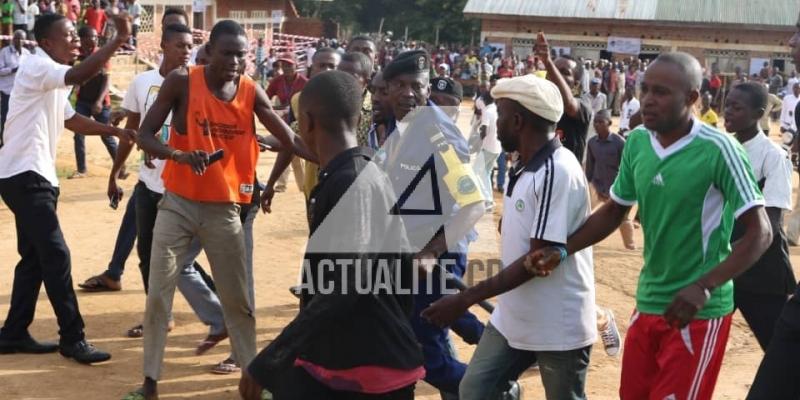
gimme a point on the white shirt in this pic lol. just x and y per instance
(19, 16)
(36, 113)
(787, 112)
(9, 59)
(556, 313)
(310, 51)
(790, 84)
(140, 96)
(30, 15)
(135, 10)
(772, 164)
(489, 120)
(597, 102)
(628, 109)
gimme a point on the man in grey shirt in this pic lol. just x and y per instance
(603, 156)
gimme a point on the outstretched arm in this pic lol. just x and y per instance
(542, 50)
(95, 62)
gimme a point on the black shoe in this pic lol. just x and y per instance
(513, 393)
(28, 346)
(84, 353)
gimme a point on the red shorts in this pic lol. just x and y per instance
(663, 363)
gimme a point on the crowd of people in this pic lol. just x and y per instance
(371, 134)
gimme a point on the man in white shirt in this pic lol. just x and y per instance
(490, 149)
(791, 81)
(10, 57)
(761, 292)
(20, 8)
(788, 123)
(551, 320)
(135, 11)
(629, 107)
(38, 112)
(30, 18)
(595, 97)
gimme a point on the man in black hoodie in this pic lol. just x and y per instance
(352, 338)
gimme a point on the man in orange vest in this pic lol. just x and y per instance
(211, 158)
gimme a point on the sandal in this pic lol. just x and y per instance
(209, 342)
(138, 394)
(138, 330)
(226, 367)
(100, 283)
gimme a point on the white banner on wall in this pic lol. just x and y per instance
(624, 45)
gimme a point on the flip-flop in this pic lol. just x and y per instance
(226, 367)
(100, 283)
(136, 332)
(209, 342)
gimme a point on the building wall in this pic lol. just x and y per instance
(588, 37)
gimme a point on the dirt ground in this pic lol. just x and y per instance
(90, 227)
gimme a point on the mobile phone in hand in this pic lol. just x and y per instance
(215, 156)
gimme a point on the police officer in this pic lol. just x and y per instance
(427, 159)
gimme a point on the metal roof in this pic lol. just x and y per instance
(748, 12)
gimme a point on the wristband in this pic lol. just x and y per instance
(563, 251)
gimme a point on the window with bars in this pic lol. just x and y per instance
(258, 14)
(237, 15)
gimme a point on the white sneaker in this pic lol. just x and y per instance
(610, 336)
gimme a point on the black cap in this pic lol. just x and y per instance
(408, 62)
(447, 86)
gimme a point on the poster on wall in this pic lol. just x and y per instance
(198, 5)
(756, 64)
(624, 45)
(561, 51)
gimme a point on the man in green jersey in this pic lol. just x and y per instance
(690, 182)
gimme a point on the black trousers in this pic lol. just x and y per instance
(297, 384)
(761, 311)
(778, 376)
(45, 259)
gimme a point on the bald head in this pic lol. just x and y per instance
(689, 66)
(331, 100)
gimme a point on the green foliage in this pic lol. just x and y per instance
(420, 16)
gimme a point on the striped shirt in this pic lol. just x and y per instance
(688, 194)
(548, 200)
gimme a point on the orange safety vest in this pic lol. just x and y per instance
(213, 124)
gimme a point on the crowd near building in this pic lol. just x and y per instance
(585, 117)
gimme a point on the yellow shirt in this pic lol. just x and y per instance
(710, 117)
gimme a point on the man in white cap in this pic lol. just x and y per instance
(550, 321)
(443, 71)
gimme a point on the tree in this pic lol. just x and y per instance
(422, 17)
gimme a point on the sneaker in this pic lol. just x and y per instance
(84, 353)
(77, 175)
(610, 336)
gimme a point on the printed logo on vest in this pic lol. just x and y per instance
(246, 188)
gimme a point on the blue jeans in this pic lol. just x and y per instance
(443, 370)
(495, 363)
(501, 171)
(126, 237)
(103, 117)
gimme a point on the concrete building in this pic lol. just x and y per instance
(729, 33)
